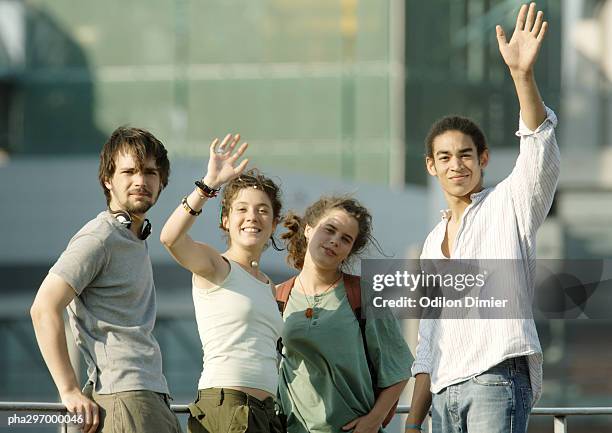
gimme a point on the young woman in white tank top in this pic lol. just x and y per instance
(236, 311)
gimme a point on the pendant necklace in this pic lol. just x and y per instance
(310, 310)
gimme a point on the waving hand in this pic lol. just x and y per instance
(521, 52)
(222, 160)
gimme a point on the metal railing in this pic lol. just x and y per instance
(559, 414)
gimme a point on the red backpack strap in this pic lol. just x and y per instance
(353, 294)
(282, 293)
(283, 290)
(353, 291)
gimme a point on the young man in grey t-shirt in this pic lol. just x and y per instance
(105, 281)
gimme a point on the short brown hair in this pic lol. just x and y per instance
(252, 178)
(456, 123)
(295, 239)
(139, 143)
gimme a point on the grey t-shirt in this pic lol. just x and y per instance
(113, 314)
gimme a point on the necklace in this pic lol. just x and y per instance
(310, 310)
(253, 269)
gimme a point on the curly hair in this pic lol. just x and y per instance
(252, 178)
(294, 237)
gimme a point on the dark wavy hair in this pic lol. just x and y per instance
(139, 143)
(294, 237)
(456, 123)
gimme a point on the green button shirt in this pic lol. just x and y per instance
(324, 379)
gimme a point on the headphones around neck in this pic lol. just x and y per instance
(126, 221)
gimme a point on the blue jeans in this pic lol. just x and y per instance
(496, 401)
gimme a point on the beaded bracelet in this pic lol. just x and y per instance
(414, 427)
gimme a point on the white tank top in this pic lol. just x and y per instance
(239, 325)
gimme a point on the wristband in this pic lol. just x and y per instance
(200, 194)
(414, 426)
(206, 190)
(189, 208)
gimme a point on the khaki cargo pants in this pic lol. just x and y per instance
(222, 410)
(136, 411)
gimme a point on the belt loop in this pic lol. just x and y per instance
(221, 396)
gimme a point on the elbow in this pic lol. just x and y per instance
(36, 313)
(170, 240)
(167, 241)
(44, 316)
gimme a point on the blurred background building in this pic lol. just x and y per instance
(332, 95)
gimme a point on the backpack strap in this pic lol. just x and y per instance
(283, 290)
(352, 285)
(353, 294)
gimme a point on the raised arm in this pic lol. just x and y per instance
(534, 178)
(197, 257)
(47, 317)
(520, 55)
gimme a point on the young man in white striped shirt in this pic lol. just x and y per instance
(484, 375)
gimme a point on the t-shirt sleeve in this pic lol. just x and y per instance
(81, 262)
(388, 349)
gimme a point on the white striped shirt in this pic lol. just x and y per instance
(500, 223)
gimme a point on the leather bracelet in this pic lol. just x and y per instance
(200, 194)
(206, 190)
(189, 208)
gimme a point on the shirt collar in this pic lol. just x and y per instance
(475, 197)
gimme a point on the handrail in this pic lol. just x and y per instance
(559, 414)
(182, 408)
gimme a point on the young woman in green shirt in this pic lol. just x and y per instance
(325, 383)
